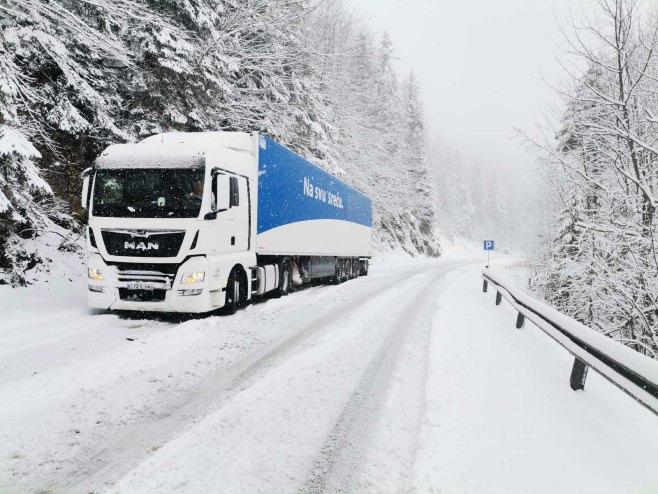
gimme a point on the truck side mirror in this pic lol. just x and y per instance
(86, 180)
(223, 192)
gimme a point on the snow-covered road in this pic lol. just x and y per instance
(406, 379)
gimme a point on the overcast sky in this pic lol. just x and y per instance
(480, 64)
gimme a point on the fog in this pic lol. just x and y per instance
(482, 66)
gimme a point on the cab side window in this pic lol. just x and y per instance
(235, 192)
(213, 193)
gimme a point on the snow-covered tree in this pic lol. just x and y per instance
(379, 128)
(414, 151)
(603, 168)
(21, 184)
(78, 75)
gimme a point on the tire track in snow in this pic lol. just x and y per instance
(266, 437)
(110, 455)
(342, 458)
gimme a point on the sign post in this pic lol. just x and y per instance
(488, 246)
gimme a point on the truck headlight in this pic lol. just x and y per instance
(95, 274)
(191, 278)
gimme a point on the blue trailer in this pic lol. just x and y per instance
(191, 222)
(303, 210)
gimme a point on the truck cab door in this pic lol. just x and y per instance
(232, 231)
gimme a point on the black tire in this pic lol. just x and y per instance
(338, 275)
(285, 279)
(235, 294)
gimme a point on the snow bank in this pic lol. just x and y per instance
(455, 247)
(632, 360)
(501, 417)
(53, 259)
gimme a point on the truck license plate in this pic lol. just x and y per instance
(136, 285)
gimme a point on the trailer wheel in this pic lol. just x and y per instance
(284, 280)
(354, 271)
(347, 270)
(363, 267)
(338, 274)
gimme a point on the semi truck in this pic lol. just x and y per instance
(200, 221)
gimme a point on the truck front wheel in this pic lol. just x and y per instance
(236, 295)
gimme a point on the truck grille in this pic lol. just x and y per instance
(143, 243)
(166, 269)
(152, 275)
(160, 276)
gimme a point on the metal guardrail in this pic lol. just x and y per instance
(632, 372)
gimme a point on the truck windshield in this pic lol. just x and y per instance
(148, 193)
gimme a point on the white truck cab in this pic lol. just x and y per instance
(169, 220)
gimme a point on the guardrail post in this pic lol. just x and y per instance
(485, 285)
(499, 298)
(520, 321)
(578, 374)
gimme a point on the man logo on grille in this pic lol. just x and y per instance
(140, 246)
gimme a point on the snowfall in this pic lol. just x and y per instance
(408, 380)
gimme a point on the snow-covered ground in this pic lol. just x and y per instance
(501, 416)
(408, 379)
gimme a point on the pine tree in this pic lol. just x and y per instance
(414, 153)
(21, 184)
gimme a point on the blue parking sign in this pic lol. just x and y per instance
(488, 245)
